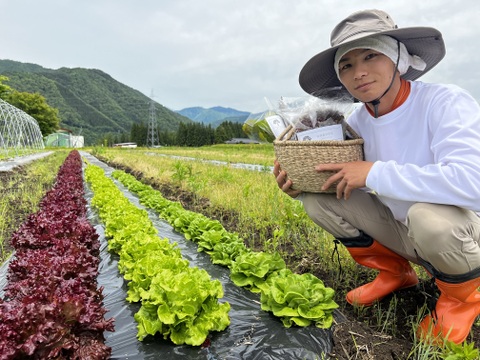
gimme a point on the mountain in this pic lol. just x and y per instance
(90, 102)
(215, 115)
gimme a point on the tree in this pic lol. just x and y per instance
(195, 135)
(166, 138)
(4, 89)
(221, 135)
(138, 134)
(34, 105)
(228, 130)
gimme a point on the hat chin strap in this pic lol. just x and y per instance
(376, 102)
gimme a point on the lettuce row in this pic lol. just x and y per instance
(178, 301)
(52, 308)
(253, 269)
(297, 299)
(210, 235)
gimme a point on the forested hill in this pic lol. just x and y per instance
(90, 102)
(214, 116)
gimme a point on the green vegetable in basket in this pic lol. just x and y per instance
(258, 129)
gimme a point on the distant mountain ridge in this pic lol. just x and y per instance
(214, 116)
(90, 102)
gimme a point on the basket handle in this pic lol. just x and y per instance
(288, 132)
(352, 132)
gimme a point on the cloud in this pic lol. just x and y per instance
(216, 52)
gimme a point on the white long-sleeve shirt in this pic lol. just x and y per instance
(426, 150)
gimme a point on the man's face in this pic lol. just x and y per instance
(365, 73)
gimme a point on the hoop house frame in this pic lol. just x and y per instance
(19, 132)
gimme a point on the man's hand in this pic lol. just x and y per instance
(282, 181)
(351, 175)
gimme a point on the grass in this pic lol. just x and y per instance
(266, 218)
(252, 196)
(261, 154)
(20, 193)
(10, 153)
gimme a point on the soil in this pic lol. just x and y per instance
(353, 338)
(356, 334)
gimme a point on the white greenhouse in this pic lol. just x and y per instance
(19, 132)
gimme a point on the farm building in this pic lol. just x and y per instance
(241, 141)
(64, 138)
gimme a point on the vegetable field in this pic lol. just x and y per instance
(247, 324)
(180, 253)
(53, 307)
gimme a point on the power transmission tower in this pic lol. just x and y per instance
(152, 135)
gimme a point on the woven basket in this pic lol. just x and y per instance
(299, 158)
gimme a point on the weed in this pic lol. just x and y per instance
(463, 351)
(20, 192)
(269, 220)
(182, 170)
(98, 151)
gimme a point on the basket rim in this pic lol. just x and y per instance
(289, 131)
(348, 142)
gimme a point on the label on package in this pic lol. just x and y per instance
(276, 123)
(330, 132)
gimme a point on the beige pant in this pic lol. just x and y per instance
(445, 236)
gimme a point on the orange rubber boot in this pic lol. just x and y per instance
(457, 308)
(395, 273)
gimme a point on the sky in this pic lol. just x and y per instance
(230, 53)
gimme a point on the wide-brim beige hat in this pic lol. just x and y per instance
(319, 74)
